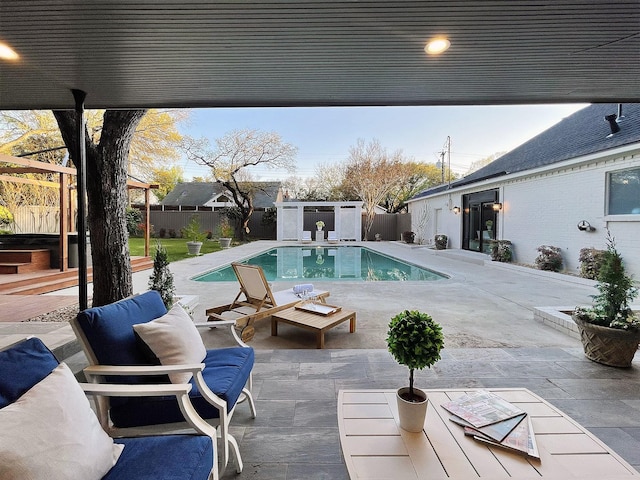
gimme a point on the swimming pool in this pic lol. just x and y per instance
(327, 263)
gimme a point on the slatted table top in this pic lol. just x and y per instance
(375, 447)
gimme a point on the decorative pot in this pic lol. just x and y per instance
(225, 242)
(194, 248)
(609, 346)
(411, 414)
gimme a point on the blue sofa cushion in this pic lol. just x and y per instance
(226, 372)
(109, 330)
(166, 457)
(22, 366)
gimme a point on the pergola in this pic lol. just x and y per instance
(73, 54)
(16, 165)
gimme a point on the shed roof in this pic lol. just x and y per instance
(200, 193)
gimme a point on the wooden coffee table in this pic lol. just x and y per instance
(374, 446)
(313, 321)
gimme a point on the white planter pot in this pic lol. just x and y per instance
(194, 248)
(225, 242)
(412, 414)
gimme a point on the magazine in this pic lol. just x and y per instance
(482, 408)
(521, 439)
(496, 431)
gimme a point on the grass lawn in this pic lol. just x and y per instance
(176, 247)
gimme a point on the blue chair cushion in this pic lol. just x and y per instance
(109, 330)
(226, 373)
(166, 457)
(22, 366)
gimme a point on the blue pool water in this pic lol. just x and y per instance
(327, 263)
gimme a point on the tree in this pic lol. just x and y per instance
(417, 177)
(106, 174)
(478, 164)
(167, 178)
(235, 154)
(110, 137)
(371, 173)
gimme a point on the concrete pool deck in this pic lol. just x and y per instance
(482, 305)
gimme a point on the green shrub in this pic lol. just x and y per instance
(549, 258)
(162, 278)
(501, 251)
(591, 260)
(134, 220)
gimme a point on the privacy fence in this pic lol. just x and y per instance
(169, 222)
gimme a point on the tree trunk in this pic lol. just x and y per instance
(107, 200)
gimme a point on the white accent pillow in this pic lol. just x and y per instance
(51, 433)
(174, 339)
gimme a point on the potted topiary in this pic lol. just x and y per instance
(441, 241)
(610, 330)
(408, 236)
(225, 233)
(414, 340)
(194, 234)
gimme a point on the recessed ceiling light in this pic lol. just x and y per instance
(437, 45)
(7, 53)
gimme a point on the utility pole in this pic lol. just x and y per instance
(446, 149)
(449, 158)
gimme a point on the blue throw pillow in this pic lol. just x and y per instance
(109, 329)
(22, 366)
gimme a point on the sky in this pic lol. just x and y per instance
(324, 135)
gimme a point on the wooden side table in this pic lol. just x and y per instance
(314, 322)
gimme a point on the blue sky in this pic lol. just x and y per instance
(324, 135)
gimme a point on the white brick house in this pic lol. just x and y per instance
(575, 172)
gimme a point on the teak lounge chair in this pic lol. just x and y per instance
(114, 347)
(255, 300)
(50, 431)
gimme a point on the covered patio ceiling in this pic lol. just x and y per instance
(241, 53)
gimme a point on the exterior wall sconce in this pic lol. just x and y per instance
(585, 226)
(456, 210)
(497, 207)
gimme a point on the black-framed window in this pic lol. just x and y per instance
(624, 192)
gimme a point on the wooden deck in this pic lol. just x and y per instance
(21, 294)
(50, 280)
(18, 308)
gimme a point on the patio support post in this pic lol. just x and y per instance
(81, 159)
(64, 222)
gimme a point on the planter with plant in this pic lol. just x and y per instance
(194, 234)
(408, 236)
(225, 232)
(162, 279)
(441, 242)
(319, 225)
(610, 330)
(414, 340)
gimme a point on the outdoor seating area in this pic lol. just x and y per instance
(135, 340)
(256, 301)
(48, 426)
(297, 386)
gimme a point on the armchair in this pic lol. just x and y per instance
(111, 337)
(50, 432)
